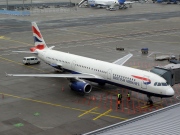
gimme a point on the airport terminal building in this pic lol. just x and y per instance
(160, 122)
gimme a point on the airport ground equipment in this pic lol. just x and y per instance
(165, 57)
(174, 61)
(144, 50)
(170, 72)
(120, 48)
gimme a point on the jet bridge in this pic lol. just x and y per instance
(82, 2)
(170, 72)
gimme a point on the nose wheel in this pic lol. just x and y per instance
(149, 102)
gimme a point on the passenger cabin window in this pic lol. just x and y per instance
(164, 84)
(159, 84)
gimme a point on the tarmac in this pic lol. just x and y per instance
(43, 106)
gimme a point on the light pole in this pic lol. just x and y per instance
(23, 4)
(6, 4)
(31, 3)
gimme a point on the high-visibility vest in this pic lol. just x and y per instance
(128, 95)
(119, 95)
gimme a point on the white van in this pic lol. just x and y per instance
(31, 60)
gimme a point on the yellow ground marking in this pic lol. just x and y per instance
(58, 105)
(20, 64)
(153, 105)
(16, 41)
(2, 37)
(141, 101)
(14, 47)
(103, 114)
(88, 111)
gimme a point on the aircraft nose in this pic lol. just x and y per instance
(170, 92)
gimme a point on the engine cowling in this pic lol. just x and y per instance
(81, 86)
(121, 1)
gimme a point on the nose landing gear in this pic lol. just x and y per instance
(149, 102)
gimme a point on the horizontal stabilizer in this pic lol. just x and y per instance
(25, 52)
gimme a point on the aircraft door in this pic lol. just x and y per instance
(73, 65)
(109, 72)
(145, 81)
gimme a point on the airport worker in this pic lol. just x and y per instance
(118, 102)
(119, 96)
(128, 96)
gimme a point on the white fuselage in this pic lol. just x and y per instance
(109, 72)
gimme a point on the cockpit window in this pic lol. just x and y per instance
(164, 84)
(159, 84)
(155, 83)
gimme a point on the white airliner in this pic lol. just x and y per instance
(110, 4)
(101, 72)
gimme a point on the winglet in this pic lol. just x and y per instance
(8, 74)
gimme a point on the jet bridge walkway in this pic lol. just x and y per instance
(170, 72)
(80, 4)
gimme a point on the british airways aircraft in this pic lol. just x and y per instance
(101, 72)
(110, 4)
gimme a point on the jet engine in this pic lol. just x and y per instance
(121, 1)
(80, 86)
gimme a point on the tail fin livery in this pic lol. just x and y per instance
(38, 39)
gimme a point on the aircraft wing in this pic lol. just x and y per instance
(122, 60)
(87, 76)
(25, 52)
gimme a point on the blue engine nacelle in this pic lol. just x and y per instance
(81, 86)
(121, 1)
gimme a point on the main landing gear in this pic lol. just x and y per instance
(149, 102)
